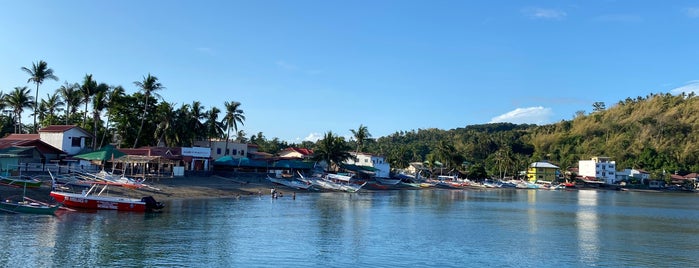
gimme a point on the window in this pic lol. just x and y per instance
(242, 152)
(235, 152)
(75, 141)
(218, 150)
(541, 176)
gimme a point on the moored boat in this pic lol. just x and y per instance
(28, 207)
(88, 201)
(21, 181)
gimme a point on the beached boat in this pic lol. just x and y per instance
(22, 181)
(28, 207)
(333, 182)
(387, 181)
(291, 183)
(92, 198)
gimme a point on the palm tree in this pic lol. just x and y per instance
(332, 149)
(53, 105)
(99, 103)
(360, 135)
(38, 73)
(234, 115)
(197, 115)
(214, 128)
(148, 87)
(71, 98)
(164, 130)
(19, 99)
(113, 97)
(88, 89)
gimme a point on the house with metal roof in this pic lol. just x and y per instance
(542, 171)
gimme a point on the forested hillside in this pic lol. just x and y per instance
(656, 133)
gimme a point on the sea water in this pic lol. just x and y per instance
(413, 228)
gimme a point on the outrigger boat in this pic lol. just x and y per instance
(28, 207)
(92, 199)
(291, 183)
(22, 181)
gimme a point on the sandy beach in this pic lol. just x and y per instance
(169, 189)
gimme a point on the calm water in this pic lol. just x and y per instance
(429, 228)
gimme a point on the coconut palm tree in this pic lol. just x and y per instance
(332, 149)
(19, 99)
(214, 128)
(148, 87)
(37, 74)
(113, 97)
(71, 98)
(99, 103)
(164, 130)
(197, 115)
(53, 105)
(234, 115)
(87, 90)
(360, 135)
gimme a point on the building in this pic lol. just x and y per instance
(633, 174)
(296, 153)
(235, 150)
(382, 167)
(598, 167)
(68, 138)
(542, 171)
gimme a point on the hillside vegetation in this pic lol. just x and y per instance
(656, 133)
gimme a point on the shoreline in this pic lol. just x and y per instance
(198, 187)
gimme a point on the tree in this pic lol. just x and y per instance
(360, 135)
(19, 99)
(114, 96)
(234, 115)
(87, 90)
(332, 149)
(53, 105)
(71, 98)
(38, 73)
(149, 87)
(598, 106)
(99, 103)
(214, 128)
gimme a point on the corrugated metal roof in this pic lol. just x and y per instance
(543, 165)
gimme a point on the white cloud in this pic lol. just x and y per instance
(692, 12)
(544, 13)
(531, 115)
(313, 137)
(691, 86)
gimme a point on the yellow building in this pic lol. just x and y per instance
(542, 171)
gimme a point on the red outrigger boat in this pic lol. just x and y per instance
(87, 201)
(92, 199)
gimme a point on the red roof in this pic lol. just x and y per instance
(43, 147)
(302, 151)
(691, 176)
(24, 137)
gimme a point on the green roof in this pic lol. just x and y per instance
(239, 162)
(105, 153)
(357, 168)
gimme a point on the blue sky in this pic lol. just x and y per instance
(302, 68)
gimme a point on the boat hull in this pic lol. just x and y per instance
(29, 208)
(99, 202)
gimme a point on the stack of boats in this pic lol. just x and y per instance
(322, 181)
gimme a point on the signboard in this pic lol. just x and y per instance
(196, 152)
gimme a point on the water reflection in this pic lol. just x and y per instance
(587, 223)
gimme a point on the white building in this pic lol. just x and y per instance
(218, 148)
(69, 138)
(628, 174)
(599, 167)
(377, 162)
